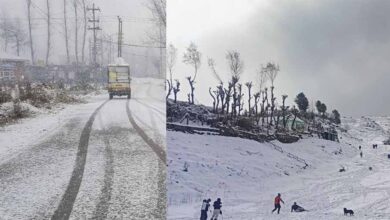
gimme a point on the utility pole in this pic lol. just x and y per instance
(101, 51)
(90, 50)
(110, 50)
(95, 27)
(120, 36)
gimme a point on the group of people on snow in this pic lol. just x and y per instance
(294, 208)
(217, 205)
(277, 201)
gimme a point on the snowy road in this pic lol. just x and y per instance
(100, 160)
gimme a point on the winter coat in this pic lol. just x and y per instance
(217, 205)
(297, 208)
(278, 200)
(205, 206)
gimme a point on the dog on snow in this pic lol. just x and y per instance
(348, 211)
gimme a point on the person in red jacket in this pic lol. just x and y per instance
(278, 199)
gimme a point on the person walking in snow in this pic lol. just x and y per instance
(361, 154)
(204, 209)
(360, 147)
(278, 199)
(217, 209)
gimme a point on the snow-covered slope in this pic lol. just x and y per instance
(247, 174)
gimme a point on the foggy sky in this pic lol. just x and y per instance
(136, 27)
(334, 51)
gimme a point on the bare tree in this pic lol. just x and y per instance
(228, 95)
(85, 32)
(284, 109)
(264, 108)
(211, 64)
(66, 33)
(76, 43)
(216, 94)
(249, 86)
(48, 32)
(214, 100)
(19, 36)
(176, 89)
(240, 102)
(158, 10)
(272, 71)
(13, 33)
(236, 66)
(192, 57)
(6, 28)
(262, 80)
(295, 112)
(171, 61)
(256, 97)
(30, 31)
(221, 95)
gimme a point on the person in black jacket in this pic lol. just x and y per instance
(297, 208)
(204, 209)
(217, 209)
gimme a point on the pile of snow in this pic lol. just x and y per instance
(11, 110)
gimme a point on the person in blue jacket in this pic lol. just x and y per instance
(217, 209)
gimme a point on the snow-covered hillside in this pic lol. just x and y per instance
(247, 175)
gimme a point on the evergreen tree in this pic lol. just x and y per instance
(336, 116)
(302, 102)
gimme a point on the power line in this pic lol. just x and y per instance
(135, 45)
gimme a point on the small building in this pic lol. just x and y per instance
(297, 124)
(12, 68)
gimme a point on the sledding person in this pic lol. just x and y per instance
(297, 208)
(204, 209)
(278, 199)
(217, 209)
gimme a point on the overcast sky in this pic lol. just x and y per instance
(136, 26)
(332, 50)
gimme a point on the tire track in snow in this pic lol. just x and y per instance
(155, 147)
(101, 209)
(160, 209)
(65, 207)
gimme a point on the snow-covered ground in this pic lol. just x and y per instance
(42, 158)
(247, 175)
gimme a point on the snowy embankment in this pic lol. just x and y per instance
(41, 123)
(247, 175)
